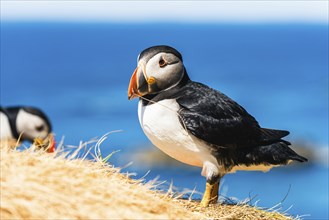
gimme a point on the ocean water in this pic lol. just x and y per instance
(78, 73)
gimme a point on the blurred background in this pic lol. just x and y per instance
(74, 60)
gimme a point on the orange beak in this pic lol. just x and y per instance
(48, 143)
(52, 144)
(132, 88)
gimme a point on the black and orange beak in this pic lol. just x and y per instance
(52, 144)
(132, 88)
(48, 143)
(141, 84)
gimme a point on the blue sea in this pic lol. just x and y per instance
(78, 73)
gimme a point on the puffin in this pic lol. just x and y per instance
(26, 123)
(200, 126)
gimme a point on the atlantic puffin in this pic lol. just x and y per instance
(201, 126)
(26, 123)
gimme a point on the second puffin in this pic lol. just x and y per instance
(200, 126)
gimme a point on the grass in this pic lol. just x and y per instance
(61, 185)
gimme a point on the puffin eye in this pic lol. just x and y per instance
(162, 63)
(40, 128)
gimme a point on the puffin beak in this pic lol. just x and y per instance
(48, 143)
(140, 84)
(52, 144)
(132, 88)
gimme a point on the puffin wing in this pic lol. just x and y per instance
(215, 118)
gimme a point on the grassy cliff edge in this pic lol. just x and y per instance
(37, 185)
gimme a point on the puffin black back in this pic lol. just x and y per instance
(11, 113)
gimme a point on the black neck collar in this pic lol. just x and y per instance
(12, 116)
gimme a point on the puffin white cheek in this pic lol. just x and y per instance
(34, 131)
(169, 76)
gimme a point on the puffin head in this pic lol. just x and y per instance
(159, 68)
(35, 127)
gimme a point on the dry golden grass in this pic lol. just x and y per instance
(38, 185)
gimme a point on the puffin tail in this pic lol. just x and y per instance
(278, 153)
(269, 136)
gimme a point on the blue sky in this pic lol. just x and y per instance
(167, 11)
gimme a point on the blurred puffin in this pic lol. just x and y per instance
(200, 126)
(26, 123)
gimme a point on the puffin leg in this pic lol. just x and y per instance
(213, 174)
(210, 195)
(214, 194)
